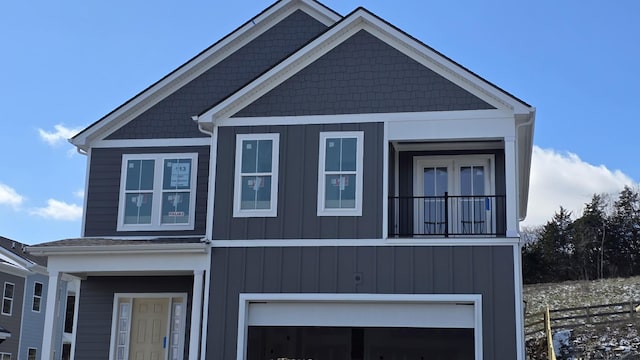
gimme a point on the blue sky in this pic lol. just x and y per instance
(65, 64)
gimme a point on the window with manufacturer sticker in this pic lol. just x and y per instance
(157, 192)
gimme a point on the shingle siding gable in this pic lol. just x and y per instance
(171, 117)
(363, 75)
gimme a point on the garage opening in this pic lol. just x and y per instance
(358, 343)
(360, 326)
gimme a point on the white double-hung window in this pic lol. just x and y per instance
(157, 192)
(256, 175)
(340, 173)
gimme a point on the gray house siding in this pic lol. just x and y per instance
(481, 270)
(363, 75)
(96, 308)
(104, 189)
(33, 321)
(298, 187)
(12, 322)
(171, 117)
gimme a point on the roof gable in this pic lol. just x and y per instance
(363, 74)
(460, 82)
(182, 82)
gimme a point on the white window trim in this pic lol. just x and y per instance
(336, 300)
(322, 210)
(4, 354)
(33, 299)
(156, 211)
(114, 318)
(237, 185)
(4, 288)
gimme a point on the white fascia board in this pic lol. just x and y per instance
(366, 118)
(394, 242)
(452, 129)
(199, 64)
(362, 20)
(524, 140)
(172, 248)
(123, 263)
(14, 270)
(169, 142)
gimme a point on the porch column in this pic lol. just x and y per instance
(196, 314)
(511, 180)
(50, 326)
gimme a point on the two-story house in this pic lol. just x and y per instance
(311, 186)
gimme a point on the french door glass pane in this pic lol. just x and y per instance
(436, 181)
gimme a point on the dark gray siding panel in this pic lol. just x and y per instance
(104, 190)
(298, 187)
(12, 322)
(382, 270)
(171, 117)
(96, 308)
(363, 75)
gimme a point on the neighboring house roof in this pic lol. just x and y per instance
(16, 261)
(19, 249)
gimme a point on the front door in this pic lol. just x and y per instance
(149, 329)
(148, 326)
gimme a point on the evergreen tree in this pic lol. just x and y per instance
(589, 236)
(624, 235)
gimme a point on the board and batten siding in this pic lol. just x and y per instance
(93, 335)
(485, 270)
(103, 192)
(298, 187)
(171, 117)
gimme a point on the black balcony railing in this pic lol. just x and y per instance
(448, 215)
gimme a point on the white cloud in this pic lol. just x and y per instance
(79, 194)
(563, 179)
(8, 196)
(59, 210)
(60, 134)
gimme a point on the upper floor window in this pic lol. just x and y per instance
(157, 192)
(7, 298)
(32, 354)
(256, 175)
(5, 356)
(37, 297)
(340, 173)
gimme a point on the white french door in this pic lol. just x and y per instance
(451, 195)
